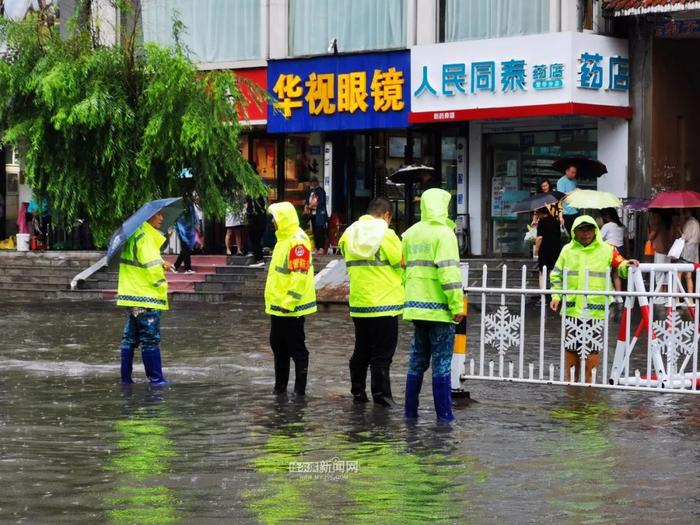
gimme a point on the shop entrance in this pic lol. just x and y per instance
(516, 164)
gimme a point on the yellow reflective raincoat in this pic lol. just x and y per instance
(289, 290)
(598, 258)
(372, 253)
(433, 280)
(141, 276)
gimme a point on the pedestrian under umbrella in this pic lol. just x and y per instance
(142, 287)
(592, 200)
(676, 199)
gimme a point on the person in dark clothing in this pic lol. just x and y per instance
(547, 242)
(256, 218)
(186, 226)
(315, 208)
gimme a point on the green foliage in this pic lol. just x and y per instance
(103, 129)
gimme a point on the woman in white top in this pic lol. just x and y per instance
(235, 225)
(613, 232)
(691, 235)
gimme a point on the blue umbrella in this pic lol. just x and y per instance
(171, 209)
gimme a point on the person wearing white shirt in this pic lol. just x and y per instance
(613, 232)
(690, 233)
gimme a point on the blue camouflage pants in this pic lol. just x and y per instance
(431, 339)
(142, 330)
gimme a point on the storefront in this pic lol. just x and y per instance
(341, 119)
(523, 102)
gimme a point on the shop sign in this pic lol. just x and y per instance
(339, 92)
(254, 110)
(677, 28)
(463, 80)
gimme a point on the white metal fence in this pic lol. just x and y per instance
(520, 340)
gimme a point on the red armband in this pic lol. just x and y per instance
(617, 259)
(299, 258)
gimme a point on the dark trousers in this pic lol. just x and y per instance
(375, 341)
(185, 256)
(569, 222)
(319, 235)
(287, 340)
(256, 230)
(375, 344)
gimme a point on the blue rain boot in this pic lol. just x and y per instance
(442, 396)
(151, 362)
(413, 385)
(127, 355)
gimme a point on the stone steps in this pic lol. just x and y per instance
(218, 278)
(61, 280)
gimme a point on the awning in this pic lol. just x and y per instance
(644, 7)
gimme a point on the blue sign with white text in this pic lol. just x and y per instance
(340, 92)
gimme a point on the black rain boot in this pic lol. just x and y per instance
(381, 387)
(358, 381)
(281, 375)
(301, 370)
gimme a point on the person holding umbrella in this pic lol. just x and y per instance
(690, 233)
(567, 184)
(135, 250)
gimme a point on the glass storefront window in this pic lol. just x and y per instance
(265, 160)
(478, 19)
(518, 163)
(297, 169)
(448, 167)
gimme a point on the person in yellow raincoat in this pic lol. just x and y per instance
(143, 289)
(587, 259)
(372, 253)
(290, 296)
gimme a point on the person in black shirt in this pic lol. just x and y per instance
(547, 242)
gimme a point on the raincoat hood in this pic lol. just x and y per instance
(585, 219)
(364, 237)
(286, 218)
(433, 207)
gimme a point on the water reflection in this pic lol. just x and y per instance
(582, 457)
(402, 475)
(142, 456)
(215, 446)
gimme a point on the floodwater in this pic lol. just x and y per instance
(216, 447)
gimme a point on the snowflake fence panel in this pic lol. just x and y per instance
(642, 338)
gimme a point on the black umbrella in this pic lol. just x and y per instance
(588, 168)
(537, 201)
(411, 174)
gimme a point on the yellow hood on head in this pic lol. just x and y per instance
(434, 205)
(286, 218)
(364, 237)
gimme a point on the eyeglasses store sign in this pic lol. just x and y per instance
(486, 78)
(339, 92)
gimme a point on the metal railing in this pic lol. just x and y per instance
(529, 344)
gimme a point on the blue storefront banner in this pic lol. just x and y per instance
(340, 92)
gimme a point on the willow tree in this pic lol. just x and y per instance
(104, 128)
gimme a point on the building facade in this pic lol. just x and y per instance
(488, 92)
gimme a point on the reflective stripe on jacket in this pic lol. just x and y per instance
(372, 253)
(598, 258)
(141, 275)
(289, 289)
(433, 280)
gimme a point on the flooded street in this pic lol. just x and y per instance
(216, 447)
